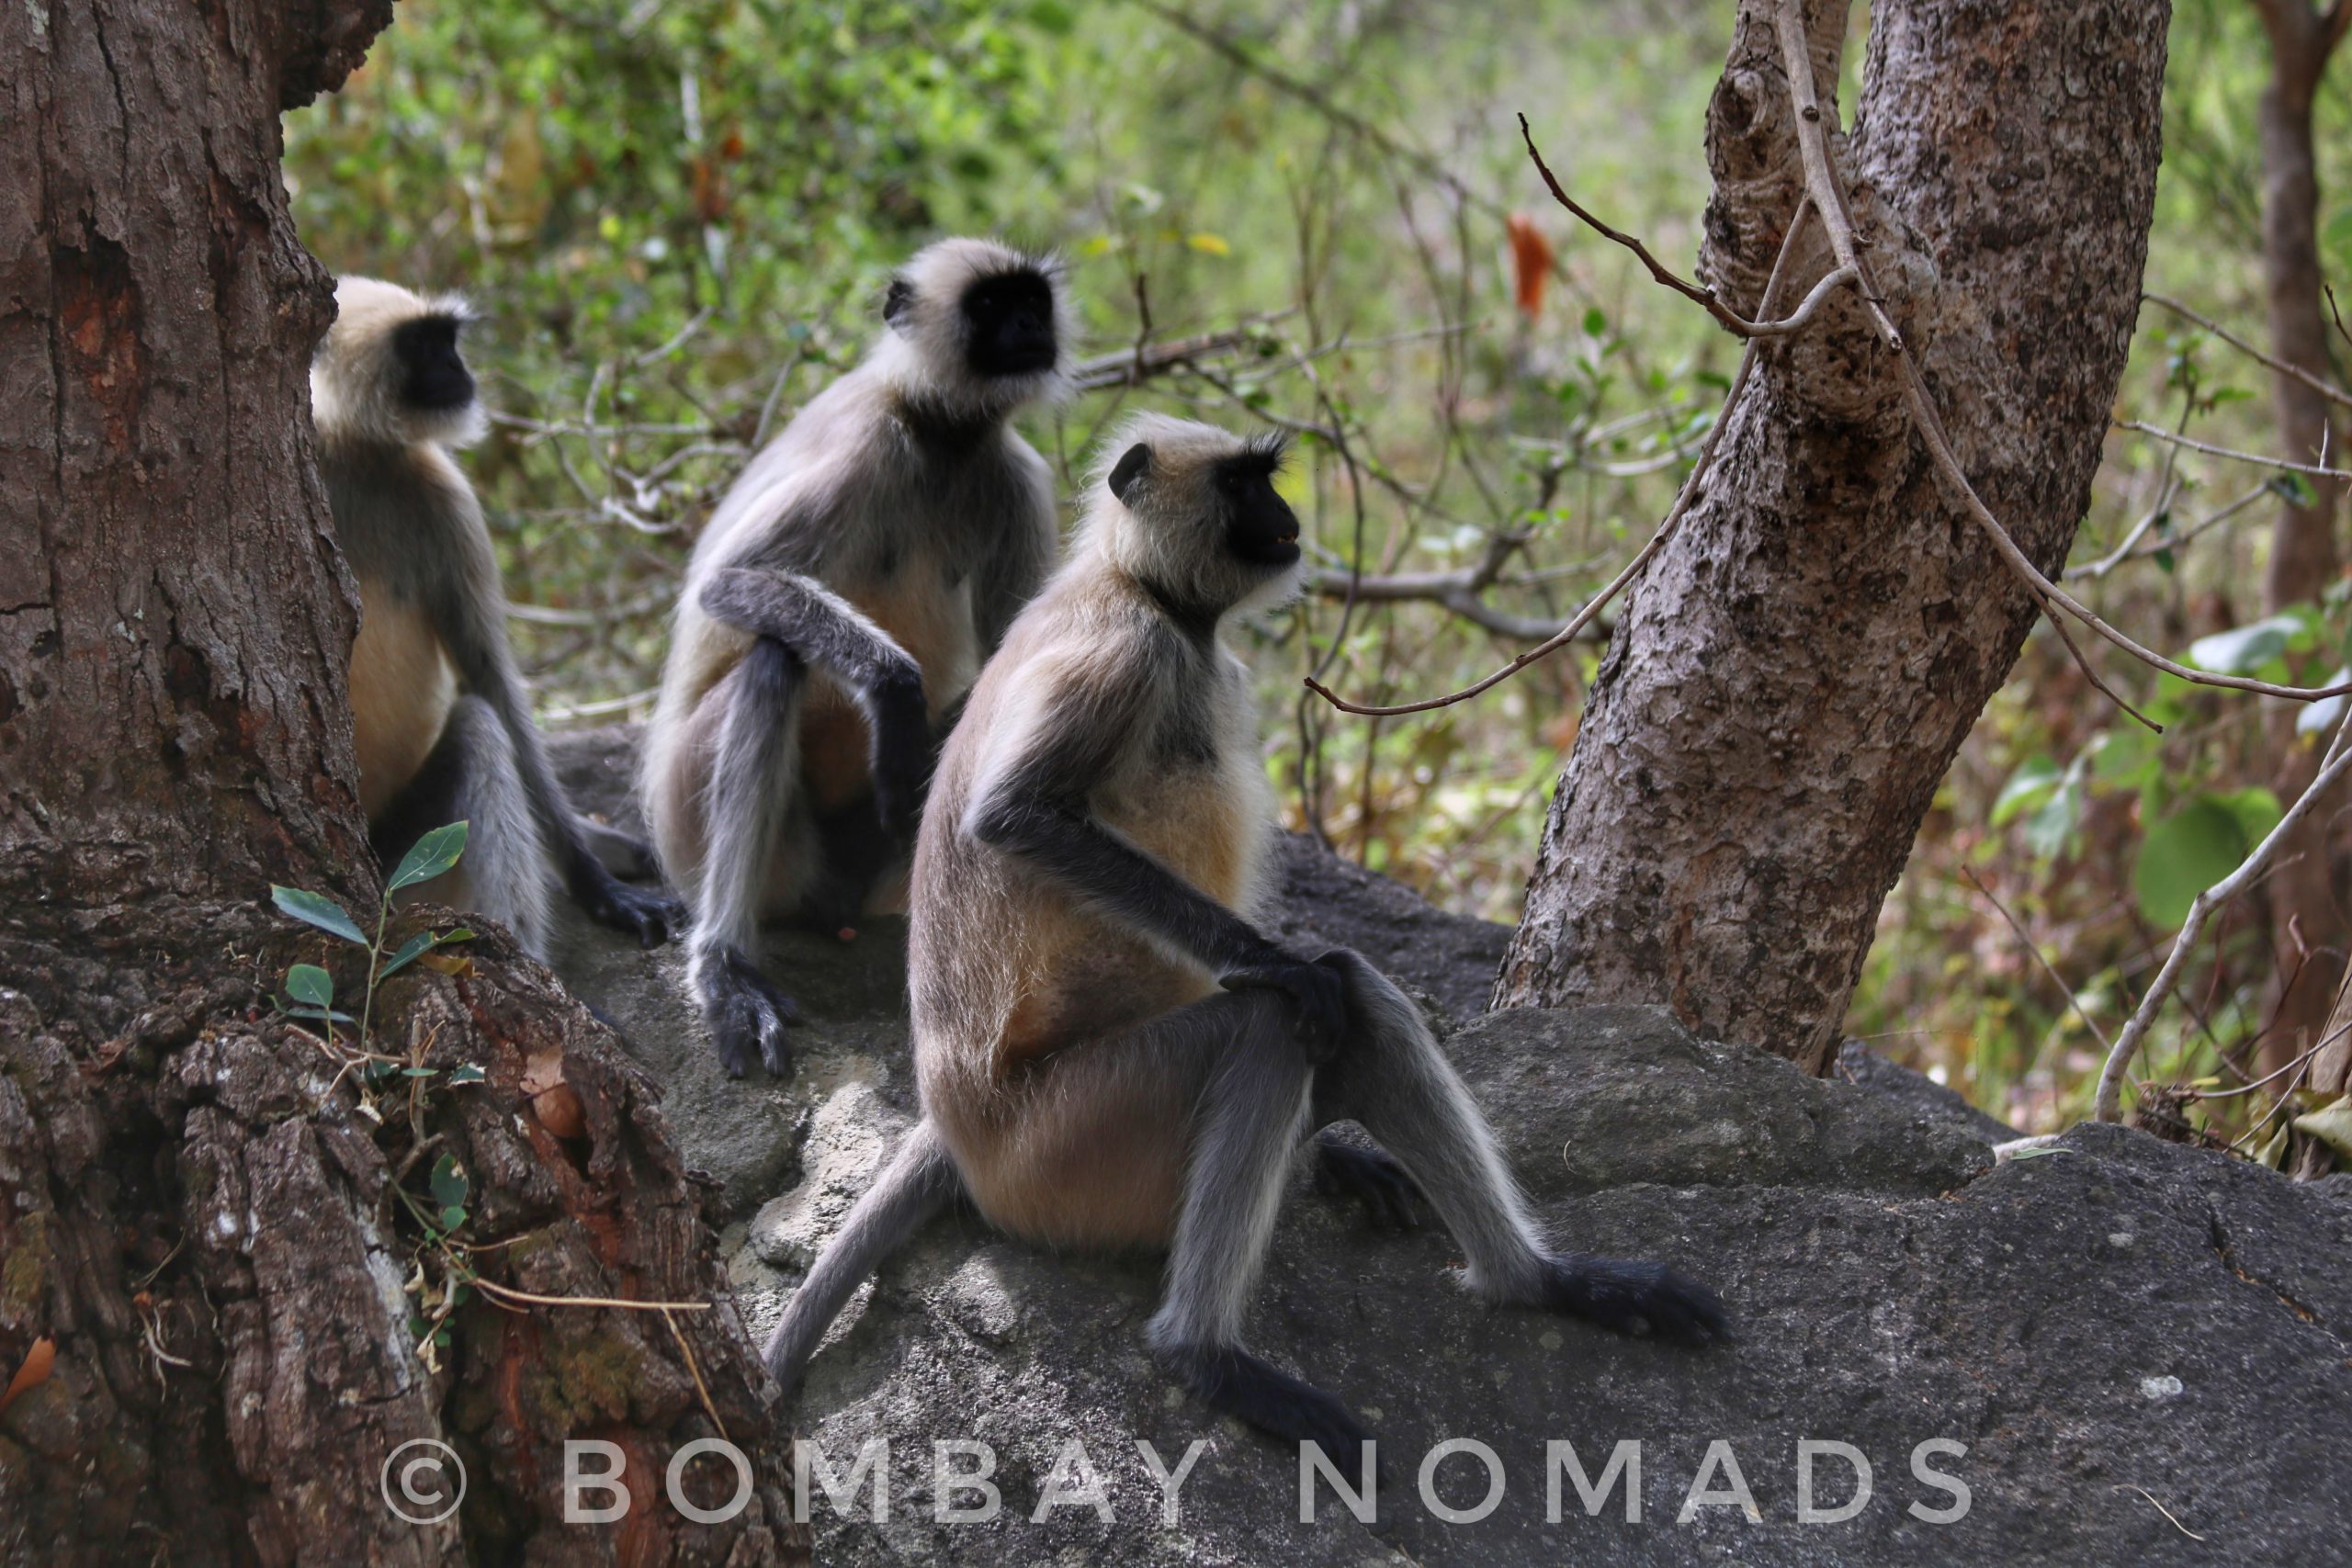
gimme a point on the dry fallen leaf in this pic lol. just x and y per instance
(34, 1372)
(555, 1102)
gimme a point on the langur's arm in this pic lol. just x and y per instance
(822, 629)
(1036, 805)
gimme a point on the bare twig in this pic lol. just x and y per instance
(1697, 293)
(508, 1292)
(1131, 366)
(1731, 320)
(2039, 957)
(2175, 1524)
(694, 1370)
(2131, 550)
(2118, 1060)
(2318, 471)
(2324, 389)
(1451, 591)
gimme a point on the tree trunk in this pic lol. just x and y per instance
(1795, 671)
(202, 1239)
(2307, 925)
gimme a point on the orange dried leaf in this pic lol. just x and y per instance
(1530, 257)
(35, 1371)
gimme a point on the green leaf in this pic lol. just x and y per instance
(452, 1217)
(2255, 809)
(2042, 1151)
(2047, 830)
(2126, 757)
(2250, 647)
(429, 857)
(469, 1073)
(318, 910)
(2183, 855)
(308, 983)
(411, 950)
(2035, 777)
(450, 1187)
(1595, 323)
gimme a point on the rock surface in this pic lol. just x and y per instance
(2116, 1324)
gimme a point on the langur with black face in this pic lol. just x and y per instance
(838, 606)
(440, 720)
(1108, 1054)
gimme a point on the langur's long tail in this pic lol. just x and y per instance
(473, 776)
(918, 1183)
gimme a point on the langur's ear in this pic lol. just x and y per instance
(897, 302)
(1133, 466)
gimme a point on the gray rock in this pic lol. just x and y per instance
(2114, 1326)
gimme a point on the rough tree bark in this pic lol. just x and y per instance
(1794, 672)
(203, 1328)
(2307, 924)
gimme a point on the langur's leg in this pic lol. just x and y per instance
(825, 630)
(746, 797)
(471, 776)
(1394, 1078)
(918, 1181)
(1234, 1056)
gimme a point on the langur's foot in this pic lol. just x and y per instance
(653, 915)
(746, 1013)
(1386, 1191)
(1633, 1297)
(1234, 1382)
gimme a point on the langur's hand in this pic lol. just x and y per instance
(1316, 994)
(901, 768)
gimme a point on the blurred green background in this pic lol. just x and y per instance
(678, 216)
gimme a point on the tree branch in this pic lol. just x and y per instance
(2324, 389)
(2118, 1061)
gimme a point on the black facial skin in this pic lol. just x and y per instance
(434, 373)
(1259, 526)
(1008, 324)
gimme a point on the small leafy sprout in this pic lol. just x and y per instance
(313, 988)
(319, 910)
(450, 1191)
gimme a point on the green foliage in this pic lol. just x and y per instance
(2202, 842)
(319, 910)
(431, 855)
(313, 988)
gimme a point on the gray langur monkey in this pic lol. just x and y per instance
(440, 721)
(1108, 1054)
(838, 606)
